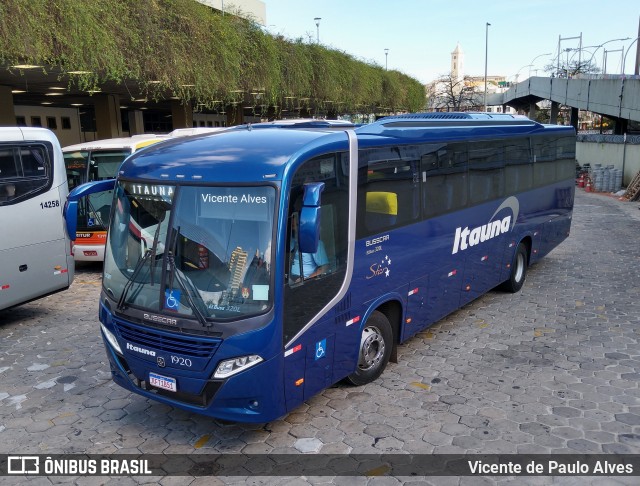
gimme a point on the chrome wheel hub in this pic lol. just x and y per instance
(371, 348)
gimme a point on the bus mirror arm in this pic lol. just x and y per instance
(71, 206)
(71, 218)
(309, 230)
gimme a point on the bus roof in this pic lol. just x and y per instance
(134, 143)
(447, 126)
(244, 153)
(262, 151)
(11, 134)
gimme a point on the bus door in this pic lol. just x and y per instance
(316, 339)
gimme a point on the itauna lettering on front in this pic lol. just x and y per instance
(466, 237)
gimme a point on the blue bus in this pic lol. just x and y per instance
(248, 270)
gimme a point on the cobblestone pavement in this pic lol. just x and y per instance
(552, 369)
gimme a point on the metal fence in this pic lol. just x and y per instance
(603, 138)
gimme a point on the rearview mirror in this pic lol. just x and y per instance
(309, 231)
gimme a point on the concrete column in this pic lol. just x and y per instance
(136, 122)
(7, 112)
(574, 117)
(620, 128)
(555, 109)
(181, 114)
(108, 118)
(235, 115)
(271, 113)
(533, 108)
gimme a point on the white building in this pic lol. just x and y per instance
(495, 84)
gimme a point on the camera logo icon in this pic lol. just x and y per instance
(23, 465)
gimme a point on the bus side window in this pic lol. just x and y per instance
(325, 257)
(8, 167)
(327, 235)
(23, 170)
(444, 177)
(486, 171)
(33, 162)
(544, 163)
(388, 192)
(519, 166)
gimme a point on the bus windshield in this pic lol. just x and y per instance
(85, 166)
(95, 165)
(204, 252)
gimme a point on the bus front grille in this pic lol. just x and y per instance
(182, 344)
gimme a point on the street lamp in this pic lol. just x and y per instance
(602, 45)
(560, 39)
(317, 20)
(486, 55)
(534, 60)
(386, 59)
(604, 59)
(624, 60)
(518, 73)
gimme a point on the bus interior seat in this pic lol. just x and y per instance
(381, 210)
(7, 192)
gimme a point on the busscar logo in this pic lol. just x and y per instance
(140, 350)
(466, 237)
(160, 319)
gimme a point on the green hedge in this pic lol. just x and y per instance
(182, 43)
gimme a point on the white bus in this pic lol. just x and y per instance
(35, 258)
(96, 161)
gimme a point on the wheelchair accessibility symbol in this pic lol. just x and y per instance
(321, 349)
(172, 300)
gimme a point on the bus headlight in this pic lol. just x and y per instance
(111, 338)
(233, 366)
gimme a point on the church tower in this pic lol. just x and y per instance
(457, 63)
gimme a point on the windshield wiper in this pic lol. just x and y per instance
(148, 254)
(173, 269)
(132, 279)
(154, 249)
(188, 291)
(92, 209)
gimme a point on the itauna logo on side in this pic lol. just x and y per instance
(466, 237)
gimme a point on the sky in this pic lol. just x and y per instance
(421, 34)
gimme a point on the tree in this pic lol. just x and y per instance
(452, 94)
(571, 68)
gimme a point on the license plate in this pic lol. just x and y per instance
(164, 382)
(90, 253)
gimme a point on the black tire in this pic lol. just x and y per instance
(376, 345)
(519, 266)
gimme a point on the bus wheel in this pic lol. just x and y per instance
(376, 345)
(518, 274)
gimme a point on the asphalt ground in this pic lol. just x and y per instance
(553, 369)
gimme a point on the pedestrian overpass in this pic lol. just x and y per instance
(616, 97)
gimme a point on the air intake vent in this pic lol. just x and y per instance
(430, 116)
(183, 344)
